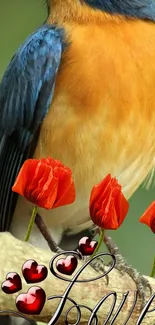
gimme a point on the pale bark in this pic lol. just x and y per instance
(13, 253)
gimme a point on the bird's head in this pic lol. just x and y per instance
(143, 9)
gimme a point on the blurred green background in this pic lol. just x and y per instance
(18, 18)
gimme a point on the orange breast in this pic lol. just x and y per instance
(102, 117)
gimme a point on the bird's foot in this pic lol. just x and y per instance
(98, 265)
(58, 250)
(46, 234)
(121, 265)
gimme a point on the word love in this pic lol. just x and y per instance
(37, 296)
(93, 319)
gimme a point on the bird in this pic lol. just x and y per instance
(81, 90)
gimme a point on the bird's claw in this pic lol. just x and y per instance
(141, 282)
(99, 266)
(122, 266)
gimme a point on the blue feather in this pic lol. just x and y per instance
(142, 9)
(28, 84)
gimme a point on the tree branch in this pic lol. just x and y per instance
(13, 253)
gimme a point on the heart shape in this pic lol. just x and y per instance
(31, 302)
(67, 265)
(12, 283)
(87, 246)
(33, 272)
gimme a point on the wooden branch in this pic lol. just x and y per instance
(13, 253)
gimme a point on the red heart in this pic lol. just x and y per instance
(86, 246)
(31, 302)
(67, 265)
(33, 272)
(12, 284)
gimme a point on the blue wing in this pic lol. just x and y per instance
(27, 87)
(26, 92)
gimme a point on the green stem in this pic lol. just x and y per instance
(31, 223)
(99, 243)
(153, 269)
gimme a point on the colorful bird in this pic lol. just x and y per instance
(81, 90)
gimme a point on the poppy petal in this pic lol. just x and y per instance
(24, 176)
(108, 206)
(148, 214)
(46, 183)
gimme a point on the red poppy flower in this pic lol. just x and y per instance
(108, 206)
(46, 183)
(148, 216)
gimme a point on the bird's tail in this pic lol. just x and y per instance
(12, 155)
